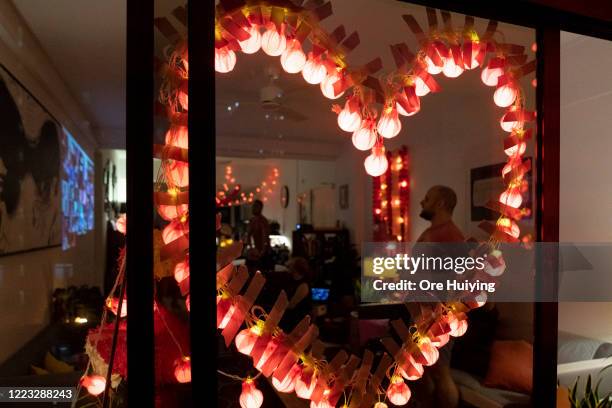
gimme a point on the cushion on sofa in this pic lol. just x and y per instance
(511, 366)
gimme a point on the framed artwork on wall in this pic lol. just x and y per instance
(487, 184)
(30, 183)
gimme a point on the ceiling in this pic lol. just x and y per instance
(86, 42)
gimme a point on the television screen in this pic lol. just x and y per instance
(77, 191)
(319, 294)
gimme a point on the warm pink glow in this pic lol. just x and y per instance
(293, 58)
(271, 347)
(398, 391)
(121, 224)
(225, 60)
(461, 328)
(188, 303)
(174, 231)
(177, 136)
(432, 68)
(250, 397)
(517, 149)
(245, 340)
(365, 137)
(252, 44)
(327, 86)
(171, 212)
(441, 340)
(420, 87)
(314, 71)
(288, 383)
(324, 403)
(489, 76)
(412, 371)
(509, 227)
(451, 70)
(415, 106)
(389, 124)
(510, 126)
(181, 271)
(273, 43)
(475, 50)
(305, 391)
(225, 310)
(113, 303)
(95, 384)
(348, 120)
(429, 352)
(505, 95)
(177, 172)
(182, 370)
(511, 197)
(376, 163)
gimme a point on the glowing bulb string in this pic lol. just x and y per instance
(238, 378)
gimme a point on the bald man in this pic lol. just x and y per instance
(437, 207)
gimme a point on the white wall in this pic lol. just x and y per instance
(586, 187)
(27, 280)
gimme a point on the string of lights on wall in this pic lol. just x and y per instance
(231, 193)
(391, 199)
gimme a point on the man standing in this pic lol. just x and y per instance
(258, 235)
(437, 208)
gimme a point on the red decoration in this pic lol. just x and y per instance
(250, 397)
(182, 371)
(398, 391)
(95, 384)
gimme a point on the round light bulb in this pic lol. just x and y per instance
(314, 71)
(489, 76)
(420, 87)
(376, 164)
(364, 137)
(225, 60)
(451, 70)
(327, 86)
(389, 124)
(253, 43)
(505, 95)
(293, 58)
(273, 43)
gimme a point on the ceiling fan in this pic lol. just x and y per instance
(272, 99)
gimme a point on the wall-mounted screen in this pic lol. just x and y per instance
(77, 191)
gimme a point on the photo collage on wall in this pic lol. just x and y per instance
(77, 191)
